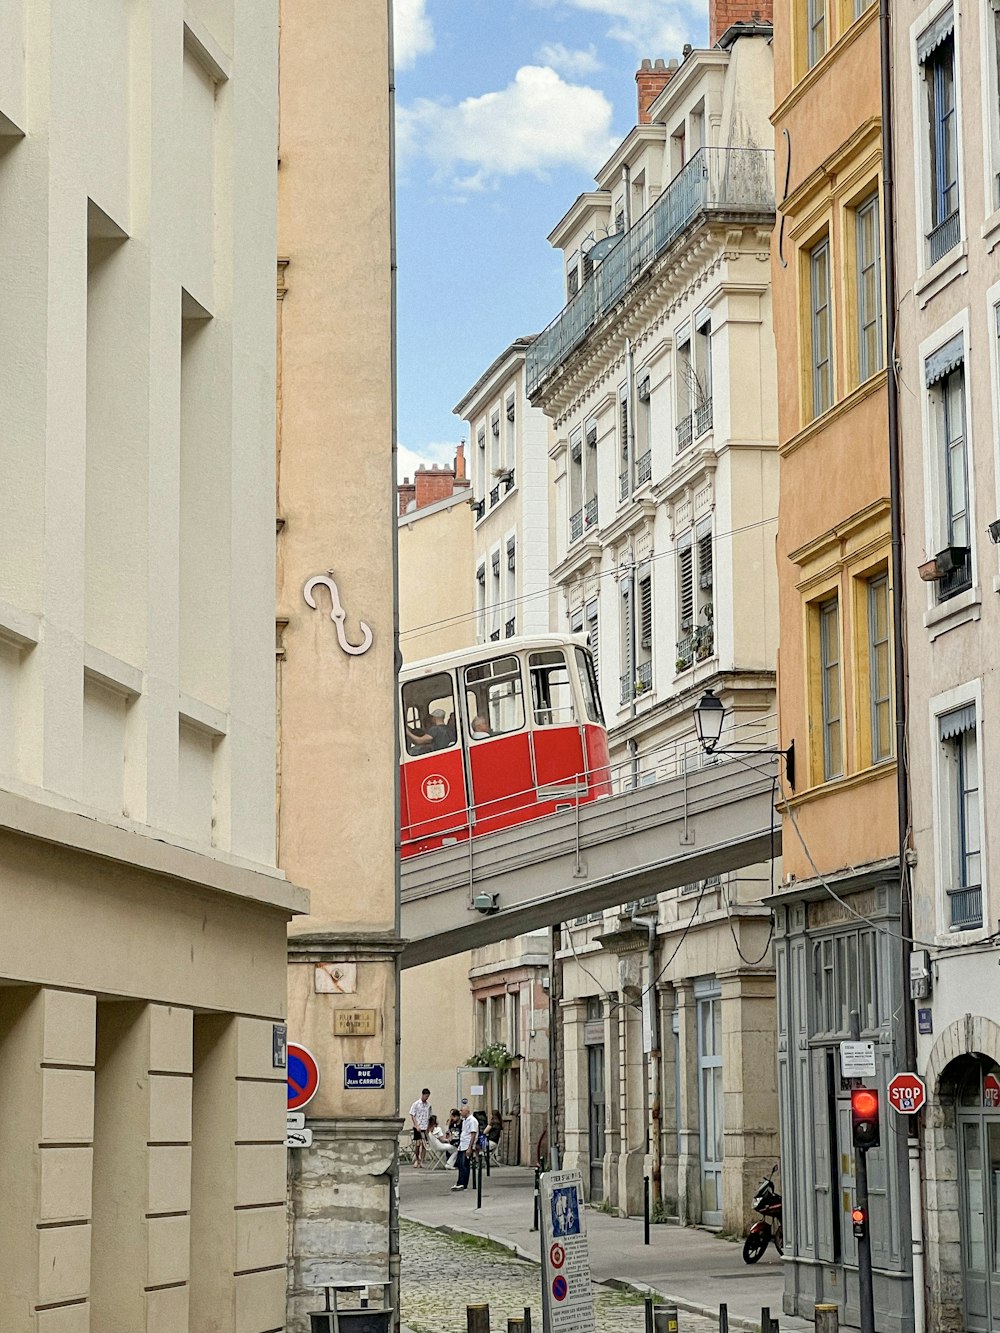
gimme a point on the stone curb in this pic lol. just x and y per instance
(616, 1283)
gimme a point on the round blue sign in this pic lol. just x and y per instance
(560, 1287)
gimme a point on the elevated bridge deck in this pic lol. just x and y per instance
(645, 839)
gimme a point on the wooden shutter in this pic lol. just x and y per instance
(645, 610)
(705, 559)
(685, 585)
(592, 634)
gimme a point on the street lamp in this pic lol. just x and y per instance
(709, 715)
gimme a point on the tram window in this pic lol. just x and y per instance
(493, 692)
(588, 682)
(551, 689)
(429, 714)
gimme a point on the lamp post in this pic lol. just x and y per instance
(709, 716)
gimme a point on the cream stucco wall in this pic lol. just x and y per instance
(142, 957)
(337, 762)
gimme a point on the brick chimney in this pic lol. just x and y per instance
(650, 79)
(407, 493)
(722, 14)
(436, 483)
(460, 477)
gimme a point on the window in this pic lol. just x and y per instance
(551, 689)
(481, 603)
(576, 484)
(816, 40)
(625, 619)
(821, 327)
(961, 817)
(829, 653)
(685, 585)
(493, 693)
(936, 53)
(573, 276)
(496, 597)
(643, 438)
(587, 664)
(869, 263)
(685, 390)
(644, 629)
(590, 612)
(945, 378)
(879, 669)
(429, 714)
(509, 433)
(702, 368)
(860, 6)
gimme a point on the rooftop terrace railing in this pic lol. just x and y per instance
(722, 181)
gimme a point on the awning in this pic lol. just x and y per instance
(958, 720)
(939, 31)
(944, 360)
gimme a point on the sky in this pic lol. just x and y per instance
(505, 109)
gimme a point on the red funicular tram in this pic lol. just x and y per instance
(498, 735)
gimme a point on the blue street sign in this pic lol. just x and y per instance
(364, 1076)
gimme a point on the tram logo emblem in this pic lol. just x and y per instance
(435, 788)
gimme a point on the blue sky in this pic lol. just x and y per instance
(505, 109)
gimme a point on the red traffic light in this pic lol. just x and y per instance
(859, 1221)
(864, 1118)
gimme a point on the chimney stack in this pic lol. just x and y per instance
(406, 492)
(722, 14)
(460, 477)
(651, 78)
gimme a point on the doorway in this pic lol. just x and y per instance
(596, 1091)
(710, 1106)
(977, 1124)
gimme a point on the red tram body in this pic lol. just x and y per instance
(496, 736)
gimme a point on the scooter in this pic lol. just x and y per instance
(767, 1202)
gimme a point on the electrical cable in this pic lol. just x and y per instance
(420, 631)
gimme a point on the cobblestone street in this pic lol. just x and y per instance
(442, 1274)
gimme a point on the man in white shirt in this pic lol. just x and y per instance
(466, 1143)
(420, 1114)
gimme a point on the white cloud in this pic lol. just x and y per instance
(534, 124)
(573, 62)
(408, 460)
(413, 35)
(650, 27)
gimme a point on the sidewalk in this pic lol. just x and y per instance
(693, 1268)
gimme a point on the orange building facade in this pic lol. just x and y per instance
(838, 907)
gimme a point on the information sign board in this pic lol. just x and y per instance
(298, 1138)
(857, 1059)
(567, 1294)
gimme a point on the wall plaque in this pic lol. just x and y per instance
(354, 1022)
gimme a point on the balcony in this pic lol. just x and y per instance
(478, 509)
(576, 525)
(944, 237)
(494, 496)
(966, 908)
(590, 514)
(508, 482)
(685, 431)
(508, 629)
(495, 636)
(703, 418)
(623, 486)
(644, 468)
(636, 683)
(717, 182)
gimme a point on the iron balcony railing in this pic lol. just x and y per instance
(590, 513)
(494, 496)
(724, 181)
(944, 237)
(685, 431)
(966, 907)
(508, 481)
(644, 468)
(703, 417)
(576, 525)
(479, 508)
(508, 629)
(624, 488)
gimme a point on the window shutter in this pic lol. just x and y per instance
(510, 408)
(481, 574)
(592, 426)
(623, 409)
(705, 574)
(496, 564)
(592, 635)
(511, 550)
(576, 621)
(626, 635)
(645, 610)
(495, 423)
(481, 437)
(685, 557)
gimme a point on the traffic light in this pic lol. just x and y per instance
(859, 1221)
(864, 1118)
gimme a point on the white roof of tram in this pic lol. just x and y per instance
(482, 651)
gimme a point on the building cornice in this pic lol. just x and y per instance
(823, 66)
(576, 214)
(507, 364)
(840, 409)
(324, 946)
(864, 143)
(583, 558)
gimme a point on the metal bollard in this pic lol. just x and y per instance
(537, 1191)
(665, 1318)
(477, 1319)
(479, 1184)
(648, 1304)
(827, 1318)
(527, 1319)
(724, 1318)
(645, 1210)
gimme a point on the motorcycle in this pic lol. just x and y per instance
(767, 1202)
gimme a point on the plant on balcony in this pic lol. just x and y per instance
(641, 687)
(494, 1056)
(703, 636)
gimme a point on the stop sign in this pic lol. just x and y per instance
(907, 1093)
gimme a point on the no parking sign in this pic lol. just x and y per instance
(303, 1076)
(567, 1292)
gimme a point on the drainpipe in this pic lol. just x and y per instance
(629, 456)
(655, 1143)
(899, 661)
(627, 180)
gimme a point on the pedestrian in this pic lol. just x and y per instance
(420, 1114)
(466, 1146)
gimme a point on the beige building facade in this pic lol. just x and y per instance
(337, 749)
(658, 377)
(948, 274)
(142, 955)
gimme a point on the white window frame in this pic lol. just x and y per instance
(922, 158)
(990, 83)
(940, 616)
(944, 847)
